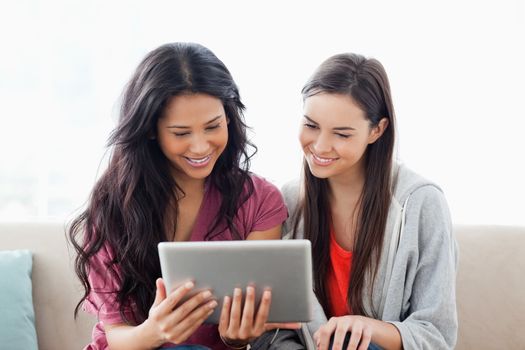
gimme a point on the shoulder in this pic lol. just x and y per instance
(427, 215)
(291, 192)
(263, 192)
(263, 187)
(429, 205)
(406, 184)
(260, 182)
(264, 207)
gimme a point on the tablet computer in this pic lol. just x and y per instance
(283, 265)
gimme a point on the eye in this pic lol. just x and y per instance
(213, 127)
(181, 134)
(344, 136)
(310, 126)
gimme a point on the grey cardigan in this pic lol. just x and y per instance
(416, 280)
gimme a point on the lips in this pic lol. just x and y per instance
(198, 162)
(322, 161)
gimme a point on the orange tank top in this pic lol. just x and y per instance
(338, 277)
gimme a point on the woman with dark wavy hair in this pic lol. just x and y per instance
(384, 256)
(178, 171)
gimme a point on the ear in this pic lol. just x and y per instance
(378, 130)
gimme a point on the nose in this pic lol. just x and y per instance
(322, 144)
(200, 145)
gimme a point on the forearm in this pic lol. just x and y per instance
(126, 337)
(386, 335)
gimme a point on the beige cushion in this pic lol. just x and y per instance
(491, 287)
(55, 286)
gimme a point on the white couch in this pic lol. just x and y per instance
(490, 286)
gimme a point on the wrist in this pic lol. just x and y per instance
(234, 344)
(149, 336)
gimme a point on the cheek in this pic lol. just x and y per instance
(221, 140)
(305, 138)
(170, 146)
(352, 149)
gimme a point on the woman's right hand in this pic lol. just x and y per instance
(170, 320)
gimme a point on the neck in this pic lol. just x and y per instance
(190, 186)
(346, 189)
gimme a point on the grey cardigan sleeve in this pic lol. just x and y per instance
(428, 250)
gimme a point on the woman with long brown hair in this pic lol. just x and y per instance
(179, 171)
(384, 254)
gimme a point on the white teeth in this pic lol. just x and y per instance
(323, 160)
(198, 161)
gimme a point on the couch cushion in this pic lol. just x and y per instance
(490, 286)
(56, 288)
(17, 321)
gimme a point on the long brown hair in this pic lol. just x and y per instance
(366, 82)
(128, 204)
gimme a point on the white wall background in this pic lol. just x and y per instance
(456, 70)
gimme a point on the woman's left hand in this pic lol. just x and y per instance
(358, 326)
(238, 326)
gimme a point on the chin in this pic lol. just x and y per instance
(320, 173)
(199, 174)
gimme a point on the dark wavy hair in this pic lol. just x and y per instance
(366, 82)
(128, 205)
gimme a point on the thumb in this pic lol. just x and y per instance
(160, 295)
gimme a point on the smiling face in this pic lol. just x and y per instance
(192, 133)
(335, 134)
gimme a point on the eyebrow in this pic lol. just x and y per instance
(187, 127)
(339, 128)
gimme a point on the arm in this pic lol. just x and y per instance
(428, 318)
(122, 336)
(273, 233)
(169, 320)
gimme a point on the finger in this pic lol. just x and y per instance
(355, 336)
(324, 334)
(177, 295)
(316, 337)
(290, 325)
(366, 338)
(235, 313)
(247, 314)
(160, 294)
(339, 335)
(183, 310)
(224, 320)
(264, 310)
(185, 328)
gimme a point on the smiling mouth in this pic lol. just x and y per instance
(322, 161)
(198, 162)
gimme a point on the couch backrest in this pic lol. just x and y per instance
(56, 289)
(491, 287)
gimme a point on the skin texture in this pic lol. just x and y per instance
(334, 135)
(336, 130)
(192, 127)
(192, 133)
